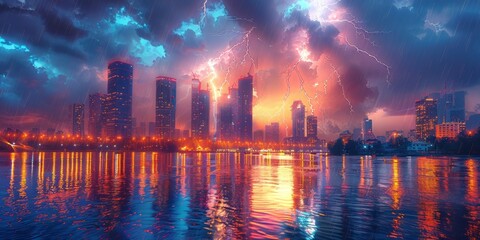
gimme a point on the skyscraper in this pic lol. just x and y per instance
(312, 124)
(95, 119)
(78, 119)
(227, 123)
(450, 106)
(245, 101)
(298, 121)
(426, 117)
(165, 106)
(272, 132)
(367, 129)
(200, 124)
(118, 103)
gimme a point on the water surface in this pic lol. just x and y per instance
(227, 196)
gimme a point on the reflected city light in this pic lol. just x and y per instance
(237, 196)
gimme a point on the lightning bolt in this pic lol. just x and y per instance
(204, 13)
(340, 83)
(281, 108)
(302, 88)
(359, 50)
(226, 56)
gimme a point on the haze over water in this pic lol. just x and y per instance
(225, 196)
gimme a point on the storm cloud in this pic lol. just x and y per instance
(344, 60)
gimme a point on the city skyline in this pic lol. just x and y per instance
(440, 113)
(341, 62)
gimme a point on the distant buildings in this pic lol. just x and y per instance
(245, 104)
(357, 134)
(392, 134)
(141, 129)
(165, 106)
(312, 125)
(151, 129)
(272, 132)
(200, 124)
(118, 103)
(426, 118)
(95, 117)
(227, 120)
(78, 117)
(367, 129)
(298, 121)
(258, 136)
(185, 133)
(450, 106)
(449, 129)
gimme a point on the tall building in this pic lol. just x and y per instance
(245, 113)
(118, 102)
(367, 129)
(165, 107)
(357, 134)
(258, 136)
(185, 133)
(227, 126)
(426, 118)
(449, 130)
(141, 130)
(272, 132)
(298, 121)
(78, 119)
(228, 114)
(450, 106)
(312, 125)
(95, 119)
(151, 129)
(200, 124)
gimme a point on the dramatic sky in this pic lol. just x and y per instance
(344, 59)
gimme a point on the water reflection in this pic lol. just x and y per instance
(229, 196)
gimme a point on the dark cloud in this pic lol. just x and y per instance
(262, 15)
(423, 59)
(162, 17)
(60, 26)
(320, 38)
(75, 40)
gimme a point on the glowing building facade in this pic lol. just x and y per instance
(312, 124)
(426, 118)
(200, 124)
(118, 103)
(298, 121)
(78, 126)
(165, 106)
(95, 115)
(245, 113)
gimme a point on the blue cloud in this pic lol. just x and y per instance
(217, 11)
(7, 45)
(44, 65)
(146, 52)
(299, 5)
(186, 26)
(123, 19)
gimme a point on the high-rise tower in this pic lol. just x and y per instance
(118, 103)
(165, 106)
